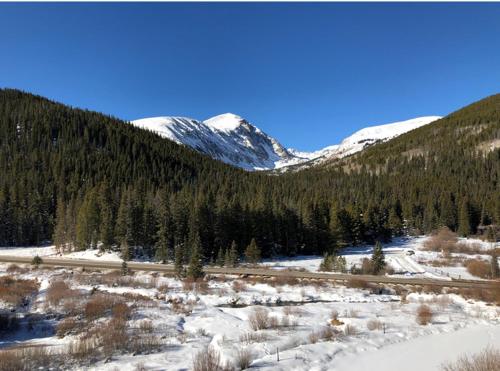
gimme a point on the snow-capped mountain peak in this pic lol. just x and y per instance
(232, 139)
(226, 122)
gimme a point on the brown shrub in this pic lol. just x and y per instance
(121, 311)
(374, 324)
(146, 326)
(57, 292)
(486, 360)
(83, 349)
(478, 268)
(99, 306)
(67, 326)
(244, 358)
(239, 286)
(207, 359)
(441, 240)
(14, 268)
(26, 359)
(253, 337)
(356, 283)
(313, 337)
(16, 291)
(424, 315)
(259, 319)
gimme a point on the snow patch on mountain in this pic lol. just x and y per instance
(233, 140)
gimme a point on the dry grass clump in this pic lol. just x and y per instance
(26, 359)
(14, 268)
(100, 305)
(244, 358)
(208, 359)
(487, 295)
(486, 360)
(442, 240)
(325, 333)
(374, 324)
(424, 315)
(284, 280)
(15, 291)
(259, 319)
(357, 283)
(253, 337)
(239, 286)
(59, 291)
(67, 326)
(199, 285)
(478, 268)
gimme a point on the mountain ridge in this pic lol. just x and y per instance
(234, 140)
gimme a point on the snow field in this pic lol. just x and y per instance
(189, 318)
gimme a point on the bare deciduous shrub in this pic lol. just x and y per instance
(424, 315)
(478, 268)
(199, 285)
(26, 359)
(99, 306)
(327, 333)
(83, 349)
(313, 337)
(121, 311)
(374, 324)
(15, 291)
(356, 283)
(273, 322)
(259, 319)
(253, 337)
(244, 358)
(57, 291)
(350, 330)
(146, 326)
(239, 286)
(67, 326)
(486, 360)
(14, 268)
(207, 359)
(442, 240)
(164, 288)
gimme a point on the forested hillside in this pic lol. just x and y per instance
(83, 179)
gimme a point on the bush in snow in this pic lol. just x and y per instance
(259, 319)
(487, 360)
(424, 315)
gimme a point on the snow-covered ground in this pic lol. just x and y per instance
(300, 310)
(398, 257)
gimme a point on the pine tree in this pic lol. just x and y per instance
(164, 235)
(252, 252)
(125, 251)
(327, 263)
(60, 236)
(179, 261)
(220, 257)
(124, 269)
(464, 220)
(106, 217)
(195, 268)
(378, 259)
(495, 270)
(231, 258)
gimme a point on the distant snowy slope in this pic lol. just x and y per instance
(233, 140)
(228, 138)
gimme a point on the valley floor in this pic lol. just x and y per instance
(375, 330)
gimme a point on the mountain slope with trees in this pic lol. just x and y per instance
(82, 179)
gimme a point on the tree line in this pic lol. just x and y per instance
(83, 180)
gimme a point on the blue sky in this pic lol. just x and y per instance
(308, 74)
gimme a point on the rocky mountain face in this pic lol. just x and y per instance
(235, 141)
